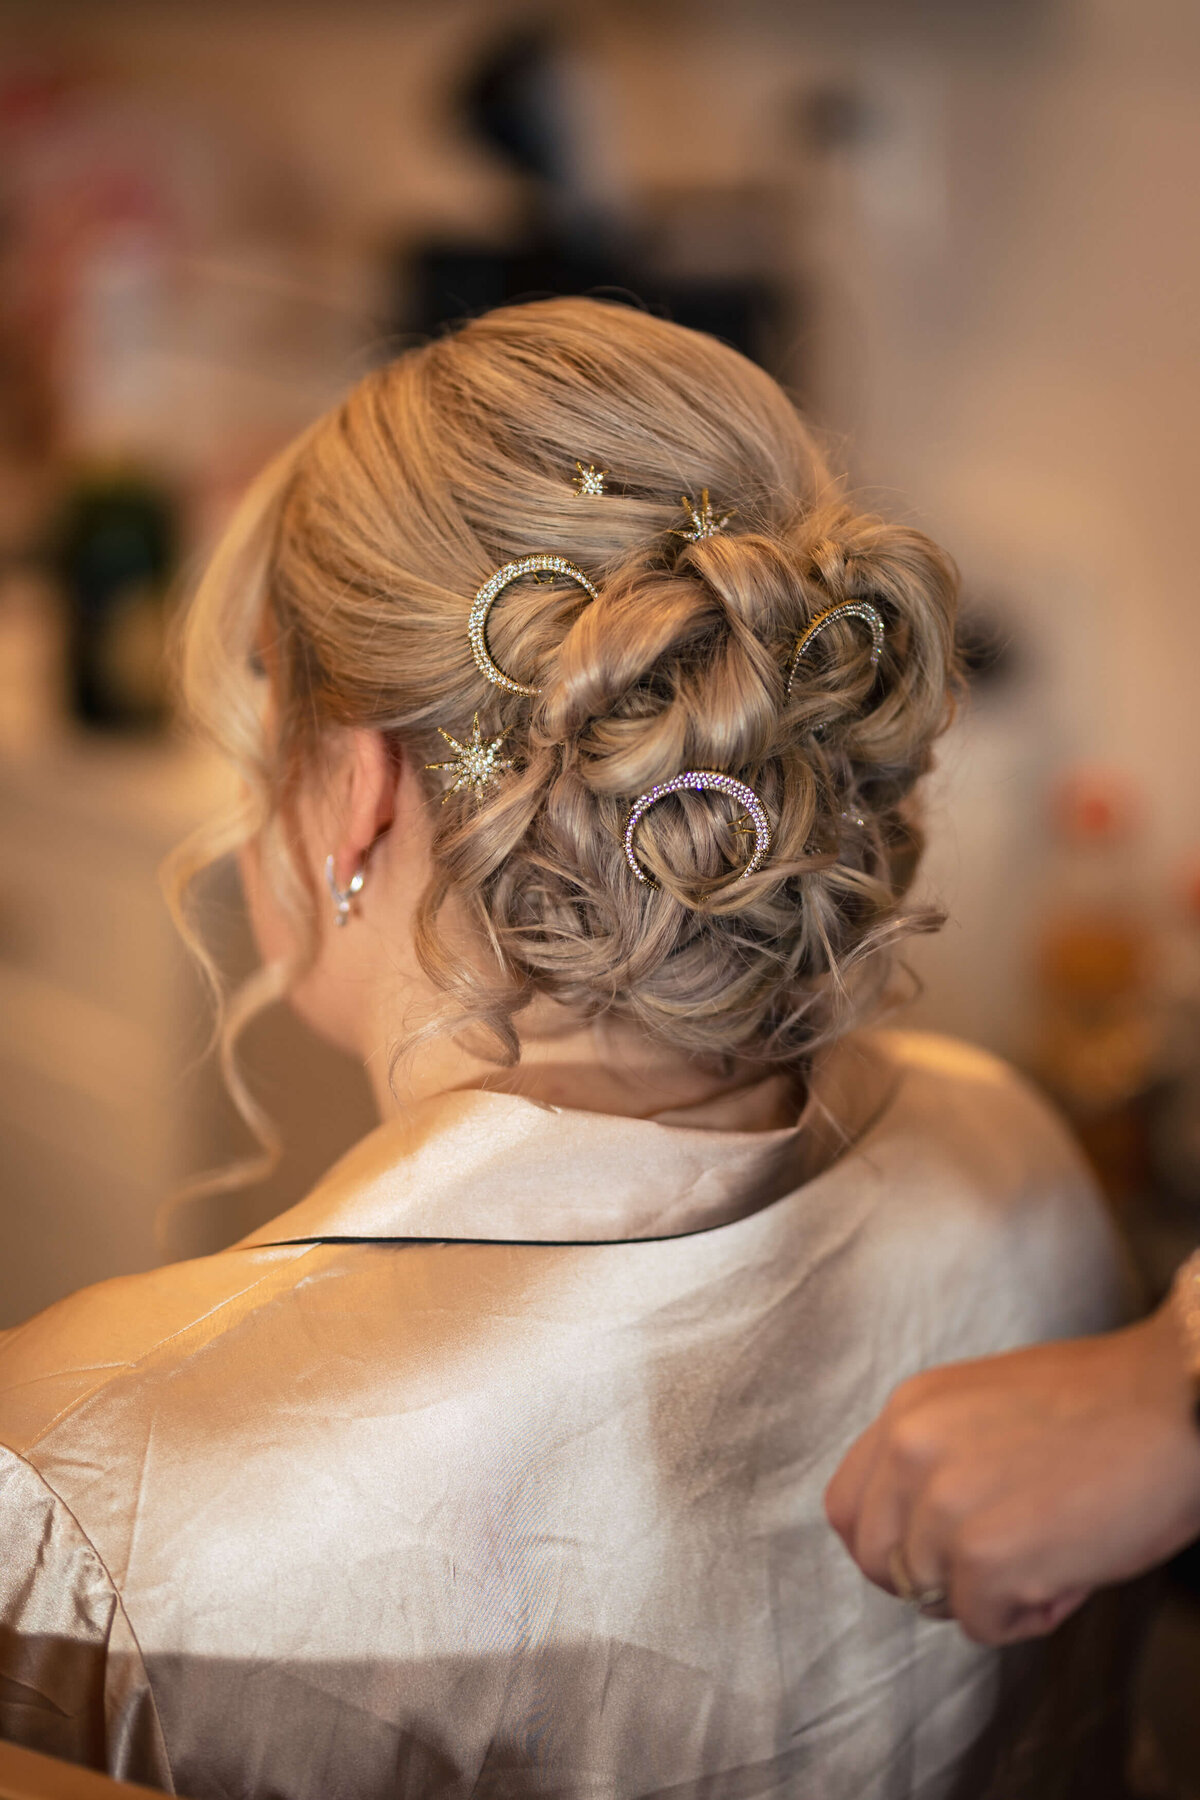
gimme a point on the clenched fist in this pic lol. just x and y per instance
(1017, 1484)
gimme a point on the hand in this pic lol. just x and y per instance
(1021, 1482)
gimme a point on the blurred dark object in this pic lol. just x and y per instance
(1175, 1103)
(1096, 1042)
(1184, 1569)
(530, 102)
(446, 283)
(114, 553)
(835, 118)
(514, 101)
(989, 656)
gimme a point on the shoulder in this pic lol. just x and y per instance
(95, 1341)
(975, 1105)
(950, 1062)
(985, 1195)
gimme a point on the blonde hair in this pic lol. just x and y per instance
(362, 548)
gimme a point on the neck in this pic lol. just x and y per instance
(596, 1067)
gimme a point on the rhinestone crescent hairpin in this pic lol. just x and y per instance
(848, 609)
(701, 780)
(490, 592)
(477, 762)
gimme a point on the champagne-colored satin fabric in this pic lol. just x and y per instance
(494, 1467)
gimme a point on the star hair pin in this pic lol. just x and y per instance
(589, 481)
(705, 523)
(475, 763)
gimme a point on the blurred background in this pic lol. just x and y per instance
(965, 235)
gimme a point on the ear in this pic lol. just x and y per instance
(369, 808)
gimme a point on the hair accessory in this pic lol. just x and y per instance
(491, 590)
(342, 896)
(475, 762)
(590, 480)
(849, 609)
(700, 780)
(705, 524)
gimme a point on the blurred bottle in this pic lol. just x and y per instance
(1096, 1035)
(1175, 1112)
(114, 533)
(114, 553)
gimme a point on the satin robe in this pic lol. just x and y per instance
(495, 1466)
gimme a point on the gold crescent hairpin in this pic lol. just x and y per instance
(701, 780)
(490, 592)
(848, 609)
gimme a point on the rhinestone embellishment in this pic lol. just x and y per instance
(700, 781)
(849, 609)
(490, 592)
(705, 523)
(343, 897)
(589, 481)
(476, 763)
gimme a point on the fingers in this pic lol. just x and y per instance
(869, 1499)
(1039, 1621)
(843, 1496)
(935, 1519)
(862, 1506)
(995, 1592)
(1013, 1624)
(880, 1525)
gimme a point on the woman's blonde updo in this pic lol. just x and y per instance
(358, 556)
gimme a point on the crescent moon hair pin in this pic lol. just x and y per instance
(848, 609)
(701, 780)
(490, 592)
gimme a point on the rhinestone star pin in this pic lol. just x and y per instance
(475, 763)
(705, 523)
(589, 480)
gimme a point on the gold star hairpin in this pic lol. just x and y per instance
(590, 480)
(475, 763)
(705, 523)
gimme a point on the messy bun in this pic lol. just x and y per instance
(366, 545)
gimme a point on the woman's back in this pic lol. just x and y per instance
(534, 1506)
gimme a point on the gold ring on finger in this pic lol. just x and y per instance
(930, 1602)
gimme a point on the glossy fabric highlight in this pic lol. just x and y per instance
(519, 1492)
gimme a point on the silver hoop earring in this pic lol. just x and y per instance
(342, 896)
